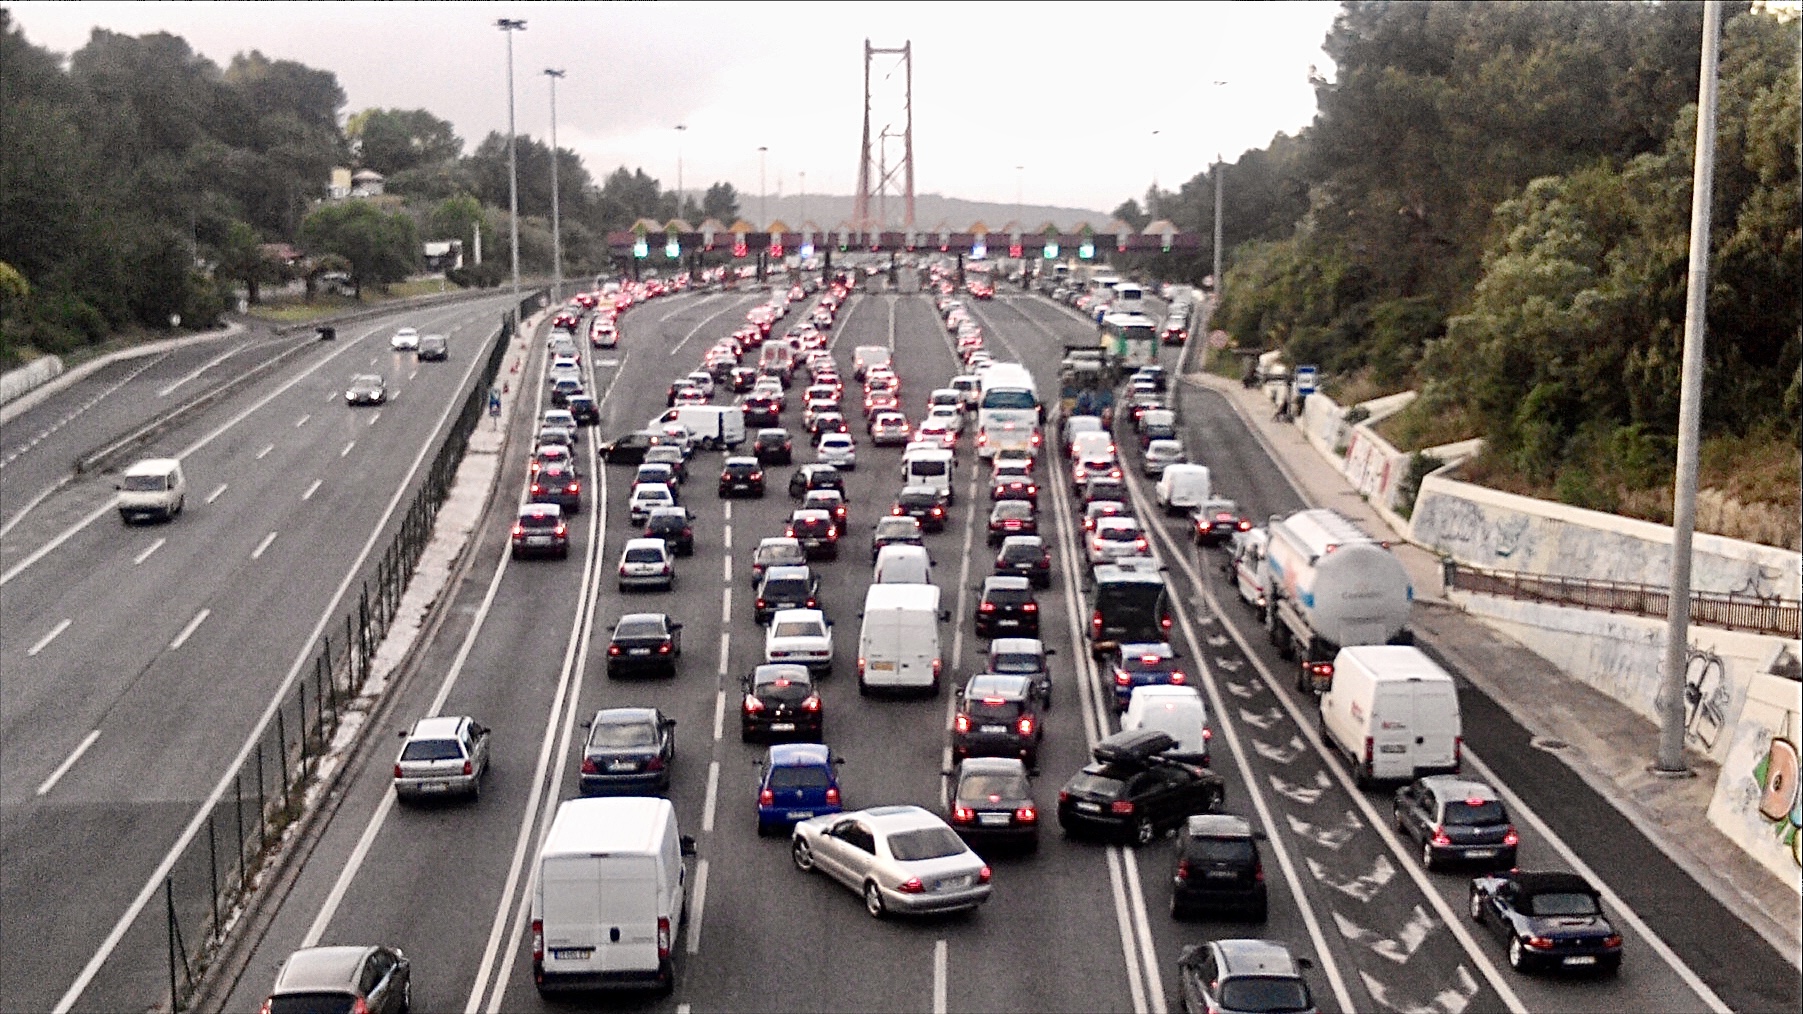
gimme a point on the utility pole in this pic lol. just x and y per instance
(804, 197)
(556, 222)
(763, 218)
(680, 129)
(1670, 761)
(1220, 287)
(510, 26)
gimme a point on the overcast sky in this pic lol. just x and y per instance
(1071, 92)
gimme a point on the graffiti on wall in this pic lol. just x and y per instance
(1780, 795)
(1707, 697)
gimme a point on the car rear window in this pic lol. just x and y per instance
(1264, 994)
(312, 1003)
(639, 628)
(925, 843)
(786, 588)
(993, 709)
(145, 483)
(1220, 850)
(1020, 554)
(1096, 784)
(984, 787)
(929, 467)
(1562, 903)
(1015, 662)
(797, 628)
(1465, 814)
(432, 750)
(538, 521)
(619, 735)
(644, 554)
(799, 778)
(1009, 596)
(1117, 534)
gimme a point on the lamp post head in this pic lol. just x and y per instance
(511, 24)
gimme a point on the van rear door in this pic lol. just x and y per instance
(917, 638)
(1436, 726)
(628, 914)
(1392, 730)
(570, 887)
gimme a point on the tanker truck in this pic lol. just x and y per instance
(1330, 586)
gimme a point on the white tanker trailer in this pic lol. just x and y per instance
(1329, 586)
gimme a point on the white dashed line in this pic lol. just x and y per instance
(726, 538)
(725, 644)
(265, 452)
(940, 961)
(145, 555)
(373, 418)
(63, 768)
(726, 569)
(713, 797)
(90, 403)
(257, 553)
(726, 604)
(44, 642)
(700, 906)
(347, 449)
(188, 631)
(308, 495)
(216, 494)
(727, 508)
(302, 421)
(720, 714)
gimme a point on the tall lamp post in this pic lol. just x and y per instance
(763, 219)
(510, 26)
(556, 221)
(681, 128)
(804, 196)
(1220, 168)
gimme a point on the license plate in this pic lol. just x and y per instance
(621, 765)
(993, 819)
(801, 814)
(538, 540)
(1090, 807)
(1007, 623)
(432, 787)
(883, 666)
(1480, 853)
(995, 728)
(640, 651)
(1581, 959)
(1393, 748)
(572, 953)
(782, 726)
(953, 883)
(1222, 875)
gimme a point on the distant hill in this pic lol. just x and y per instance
(828, 210)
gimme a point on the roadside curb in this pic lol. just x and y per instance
(68, 378)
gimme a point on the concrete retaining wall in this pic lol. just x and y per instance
(27, 378)
(1758, 799)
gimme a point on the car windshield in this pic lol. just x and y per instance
(644, 554)
(1264, 994)
(365, 380)
(1220, 850)
(1562, 903)
(432, 750)
(798, 628)
(925, 843)
(996, 788)
(1463, 813)
(1015, 662)
(144, 483)
(799, 778)
(639, 628)
(620, 735)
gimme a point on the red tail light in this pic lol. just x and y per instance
(561, 529)
(1025, 725)
(832, 795)
(469, 768)
(663, 936)
(1095, 624)
(397, 771)
(1165, 622)
(984, 875)
(986, 607)
(913, 886)
(939, 512)
(613, 649)
(663, 649)
(1440, 837)
(1612, 940)
(654, 764)
(767, 797)
(1121, 806)
(589, 767)
(812, 703)
(761, 603)
(519, 530)
(1510, 837)
(1140, 543)
(1177, 678)
(1183, 869)
(963, 815)
(538, 941)
(1026, 815)
(1539, 943)
(1030, 607)
(574, 487)
(753, 705)
(961, 723)
(812, 604)
(535, 487)
(1063, 796)
(1122, 678)
(896, 511)
(1321, 670)
(1370, 751)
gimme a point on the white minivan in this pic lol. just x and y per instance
(929, 466)
(902, 565)
(609, 896)
(1176, 711)
(898, 646)
(1394, 712)
(1183, 488)
(152, 488)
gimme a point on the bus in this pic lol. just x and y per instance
(1008, 410)
(1129, 339)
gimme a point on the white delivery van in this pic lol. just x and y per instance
(898, 646)
(1096, 443)
(709, 426)
(1177, 711)
(902, 565)
(929, 466)
(152, 488)
(1183, 488)
(1394, 712)
(608, 897)
(1248, 557)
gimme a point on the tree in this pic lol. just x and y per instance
(380, 247)
(1128, 212)
(242, 259)
(396, 140)
(722, 202)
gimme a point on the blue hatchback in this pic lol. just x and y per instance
(1143, 664)
(801, 780)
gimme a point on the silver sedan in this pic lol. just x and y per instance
(901, 859)
(443, 755)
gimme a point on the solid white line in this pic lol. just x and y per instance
(302, 421)
(725, 643)
(257, 553)
(1128, 937)
(697, 328)
(308, 495)
(44, 642)
(720, 713)
(1148, 952)
(354, 863)
(700, 906)
(209, 364)
(892, 303)
(712, 798)
(216, 494)
(347, 448)
(145, 555)
(1521, 809)
(265, 452)
(188, 631)
(68, 762)
(939, 976)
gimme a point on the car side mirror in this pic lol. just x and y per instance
(838, 760)
(1260, 836)
(1305, 963)
(1049, 652)
(945, 616)
(118, 485)
(403, 733)
(676, 626)
(687, 844)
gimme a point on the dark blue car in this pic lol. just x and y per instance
(801, 780)
(1143, 664)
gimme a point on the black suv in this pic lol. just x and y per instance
(742, 476)
(1025, 556)
(673, 525)
(924, 504)
(1218, 867)
(996, 718)
(780, 703)
(773, 446)
(818, 532)
(812, 477)
(583, 407)
(786, 588)
(1007, 606)
(1456, 820)
(1133, 793)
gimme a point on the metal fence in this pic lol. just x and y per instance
(1713, 609)
(220, 868)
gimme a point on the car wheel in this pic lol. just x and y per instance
(873, 900)
(763, 830)
(1427, 855)
(1517, 958)
(476, 790)
(1144, 833)
(407, 996)
(1178, 912)
(863, 687)
(1476, 906)
(802, 855)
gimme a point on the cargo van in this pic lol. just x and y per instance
(1177, 711)
(152, 488)
(1183, 488)
(609, 896)
(1393, 712)
(898, 646)
(709, 426)
(902, 565)
(929, 467)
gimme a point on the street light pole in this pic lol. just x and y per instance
(804, 197)
(1220, 168)
(680, 130)
(510, 26)
(556, 221)
(763, 219)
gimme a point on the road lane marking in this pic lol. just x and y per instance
(725, 643)
(712, 798)
(726, 604)
(1129, 939)
(302, 421)
(697, 328)
(308, 495)
(265, 452)
(1148, 950)
(726, 569)
(347, 449)
(374, 418)
(188, 631)
(68, 762)
(939, 963)
(257, 553)
(726, 541)
(727, 511)
(204, 367)
(145, 555)
(700, 904)
(44, 642)
(216, 494)
(415, 373)
(720, 712)
(892, 303)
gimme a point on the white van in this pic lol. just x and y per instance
(1248, 552)
(608, 899)
(1394, 712)
(1092, 444)
(1183, 488)
(1077, 424)
(929, 467)
(152, 488)
(1177, 711)
(902, 565)
(709, 426)
(898, 646)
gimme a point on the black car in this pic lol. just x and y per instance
(894, 531)
(1129, 604)
(1103, 488)
(1012, 517)
(584, 408)
(1218, 868)
(742, 378)
(925, 504)
(675, 526)
(1025, 556)
(762, 410)
(644, 642)
(811, 477)
(1134, 794)
(817, 532)
(992, 804)
(1550, 920)
(1215, 523)
(773, 446)
(629, 751)
(672, 455)
(1007, 606)
(627, 450)
(1024, 656)
(785, 588)
(996, 717)
(780, 703)
(1456, 819)
(433, 348)
(541, 530)
(560, 484)
(1012, 486)
(742, 477)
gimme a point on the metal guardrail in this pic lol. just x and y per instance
(1713, 609)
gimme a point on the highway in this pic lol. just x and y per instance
(1077, 926)
(139, 659)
